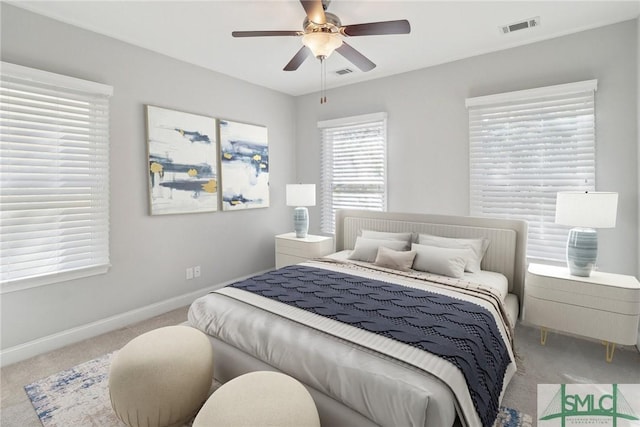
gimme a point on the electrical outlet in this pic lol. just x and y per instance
(196, 271)
(189, 273)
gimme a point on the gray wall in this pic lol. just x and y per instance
(428, 124)
(148, 254)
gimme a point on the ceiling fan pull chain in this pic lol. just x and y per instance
(321, 93)
(324, 80)
(323, 77)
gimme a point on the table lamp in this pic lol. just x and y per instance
(301, 196)
(585, 211)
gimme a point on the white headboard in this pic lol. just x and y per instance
(505, 254)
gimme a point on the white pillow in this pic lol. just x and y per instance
(397, 260)
(406, 237)
(443, 261)
(367, 249)
(477, 246)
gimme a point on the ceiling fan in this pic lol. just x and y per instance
(323, 33)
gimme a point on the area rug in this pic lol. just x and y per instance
(79, 397)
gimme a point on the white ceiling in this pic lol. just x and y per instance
(199, 32)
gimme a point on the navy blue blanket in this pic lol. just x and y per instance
(461, 332)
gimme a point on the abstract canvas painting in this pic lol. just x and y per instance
(182, 162)
(244, 170)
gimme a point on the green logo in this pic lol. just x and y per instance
(588, 406)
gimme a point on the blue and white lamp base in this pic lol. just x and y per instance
(301, 221)
(582, 251)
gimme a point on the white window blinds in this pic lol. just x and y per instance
(54, 177)
(525, 147)
(353, 168)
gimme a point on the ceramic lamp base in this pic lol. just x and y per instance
(582, 251)
(301, 222)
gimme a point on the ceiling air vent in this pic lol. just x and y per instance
(522, 25)
(344, 71)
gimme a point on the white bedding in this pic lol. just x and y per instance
(494, 280)
(368, 364)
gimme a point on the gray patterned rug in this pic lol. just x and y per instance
(79, 397)
(75, 397)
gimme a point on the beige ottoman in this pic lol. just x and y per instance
(266, 399)
(162, 377)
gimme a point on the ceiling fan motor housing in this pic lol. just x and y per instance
(333, 24)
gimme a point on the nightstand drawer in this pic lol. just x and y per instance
(292, 250)
(588, 322)
(307, 247)
(283, 260)
(572, 290)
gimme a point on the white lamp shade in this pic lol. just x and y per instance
(301, 194)
(321, 43)
(594, 209)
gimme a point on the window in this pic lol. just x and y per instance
(54, 177)
(354, 165)
(526, 146)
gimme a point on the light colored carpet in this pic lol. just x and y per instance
(564, 360)
(80, 397)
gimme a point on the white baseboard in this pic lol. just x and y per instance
(70, 336)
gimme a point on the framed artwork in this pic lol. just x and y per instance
(244, 166)
(182, 150)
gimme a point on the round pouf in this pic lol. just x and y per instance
(259, 399)
(162, 377)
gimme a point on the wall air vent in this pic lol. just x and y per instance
(344, 71)
(522, 25)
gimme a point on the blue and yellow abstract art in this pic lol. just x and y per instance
(244, 160)
(182, 162)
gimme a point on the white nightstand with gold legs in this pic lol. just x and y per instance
(603, 306)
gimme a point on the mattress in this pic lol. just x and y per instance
(379, 378)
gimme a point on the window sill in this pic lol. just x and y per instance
(49, 279)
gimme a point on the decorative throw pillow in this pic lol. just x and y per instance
(367, 249)
(443, 261)
(478, 248)
(384, 235)
(397, 260)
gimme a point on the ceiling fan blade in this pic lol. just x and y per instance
(315, 11)
(265, 33)
(355, 57)
(298, 59)
(377, 28)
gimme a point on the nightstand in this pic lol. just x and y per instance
(292, 250)
(604, 306)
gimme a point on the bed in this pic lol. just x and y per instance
(358, 371)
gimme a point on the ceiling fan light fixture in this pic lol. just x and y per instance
(322, 43)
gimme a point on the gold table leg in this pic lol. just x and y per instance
(543, 336)
(611, 347)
